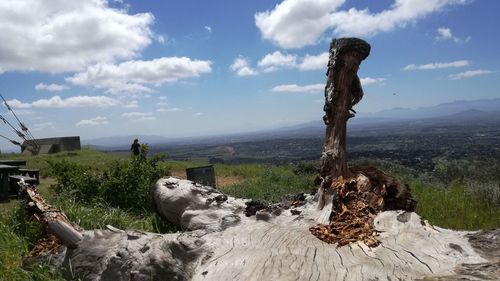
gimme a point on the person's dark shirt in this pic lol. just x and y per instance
(135, 148)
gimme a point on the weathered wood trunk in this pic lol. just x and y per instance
(343, 90)
(222, 243)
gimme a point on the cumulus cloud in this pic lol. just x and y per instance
(446, 34)
(76, 101)
(51, 87)
(68, 35)
(469, 73)
(369, 80)
(208, 28)
(294, 88)
(134, 77)
(99, 120)
(297, 23)
(277, 60)
(241, 66)
(437, 65)
(314, 62)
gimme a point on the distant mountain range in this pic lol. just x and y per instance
(457, 113)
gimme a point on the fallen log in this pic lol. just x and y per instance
(221, 242)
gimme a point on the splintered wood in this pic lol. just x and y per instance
(357, 201)
(58, 229)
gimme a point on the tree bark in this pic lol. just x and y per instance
(54, 220)
(343, 90)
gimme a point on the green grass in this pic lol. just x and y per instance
(16, 237)
(455, 208)
(268, 183)
(86, 157)
(455, 205)
(97, 216)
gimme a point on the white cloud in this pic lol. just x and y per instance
(139, 116)
(51, 87)
(136, 114)
(76, 101)
(314, 62)
(162, 104)
(369, 80)
(241, 66)
(131, 104)
(174, 109)
(160, 39)
(146, 118)
(294, 88)
(437, 65)
(198, 114)
(134, 77)
(162, 98)
(297, 23)
(68, 35)
(208, 28)
(43, 126)
(17, 104)
(446, 34)
(99, 120)
(469, 73)
(277, 60)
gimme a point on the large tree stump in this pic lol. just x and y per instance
(222, 243)
(342, 91)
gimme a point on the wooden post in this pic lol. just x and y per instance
(343, 90)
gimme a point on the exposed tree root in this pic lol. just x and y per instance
(357, 201)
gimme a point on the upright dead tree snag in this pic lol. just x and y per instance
(343, 90)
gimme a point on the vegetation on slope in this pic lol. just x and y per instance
(95, 189)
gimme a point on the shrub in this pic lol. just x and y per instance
(124, 184)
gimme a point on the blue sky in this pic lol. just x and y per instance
(188, 68)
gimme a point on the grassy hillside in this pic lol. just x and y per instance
(95, 189)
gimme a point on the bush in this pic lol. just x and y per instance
(124, 184)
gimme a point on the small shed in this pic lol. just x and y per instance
(203, 175)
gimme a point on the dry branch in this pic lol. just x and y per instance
(53, 219)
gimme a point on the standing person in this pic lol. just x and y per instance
(136, 147)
